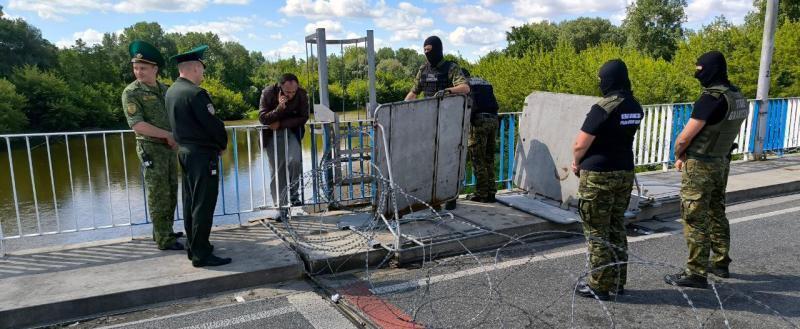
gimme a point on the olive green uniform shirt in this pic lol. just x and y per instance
(143, 103)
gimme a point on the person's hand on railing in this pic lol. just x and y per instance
(171, 142)
(275, 125)
(441, 93)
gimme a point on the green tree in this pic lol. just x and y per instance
(533, 36)
(213, 57)
(12, 117)
(788, 11)
(90, 65)
(229, 104)
(585, 32)
(150, 32)
(655, 26)
(236, 66)
(384, 53)
(22, 44)
(411, 60)
(49, 107)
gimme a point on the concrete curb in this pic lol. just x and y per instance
(671, 207)
(71, 310)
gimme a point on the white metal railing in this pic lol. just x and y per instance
(60, 183)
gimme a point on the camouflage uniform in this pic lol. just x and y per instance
(604, 198)
(703, 183)
(706, 228)
(481, 145)
(429, 79)
(143, 103)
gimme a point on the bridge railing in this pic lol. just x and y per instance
(62, 183)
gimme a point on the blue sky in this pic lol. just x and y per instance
(276, 28)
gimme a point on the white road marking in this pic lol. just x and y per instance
(318, 312)
(243, 318)
(516, 262)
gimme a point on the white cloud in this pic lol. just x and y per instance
(473, 15)
(330, 27)
(486, 49)
(90, 37)
(232, 2)
(447, 2)
(406, 21)
(143, 6)
(493, 2)
(289, 49)
(225, 29)
(276, 36)
(54, 9)
(552, 8)
(320, 9)
(475, 36)
(703, 11)
(275, 24)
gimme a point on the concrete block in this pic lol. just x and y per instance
(547, 127)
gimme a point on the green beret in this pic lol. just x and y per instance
(195, 54)
(143, 52)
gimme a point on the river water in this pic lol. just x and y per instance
(94, 181)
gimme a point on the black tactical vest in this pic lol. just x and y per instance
(437, 78)
(716, 140)
(482, 94)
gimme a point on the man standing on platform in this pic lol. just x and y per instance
(143, 103)
(202, 138)
(284, 108)
(437, 76)
(702, 152)
(482, 137)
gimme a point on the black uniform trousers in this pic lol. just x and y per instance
(200, 189)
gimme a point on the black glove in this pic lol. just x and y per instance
(441, 93)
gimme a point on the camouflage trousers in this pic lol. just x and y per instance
(482, 136)
(161, 184)
(703, 212)
(603, 200)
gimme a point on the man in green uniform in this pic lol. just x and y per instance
(201, 137)
(482, 137)
(603, 160)
(143, 103)
(702, 152)
(437, 76)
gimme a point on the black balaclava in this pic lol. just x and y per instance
(436, 54)
(715, 69)
(614, 77)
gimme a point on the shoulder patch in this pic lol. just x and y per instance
(132, 109)
(610, 103)
(211, 109)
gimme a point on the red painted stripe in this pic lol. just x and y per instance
(383, 313)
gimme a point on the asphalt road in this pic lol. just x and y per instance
(531, 285)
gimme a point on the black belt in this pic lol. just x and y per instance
(484, 116)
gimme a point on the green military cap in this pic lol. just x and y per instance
(195, 54)
(143, 52)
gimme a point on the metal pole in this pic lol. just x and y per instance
(762, 95)
(322, 59)
(373, 103)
